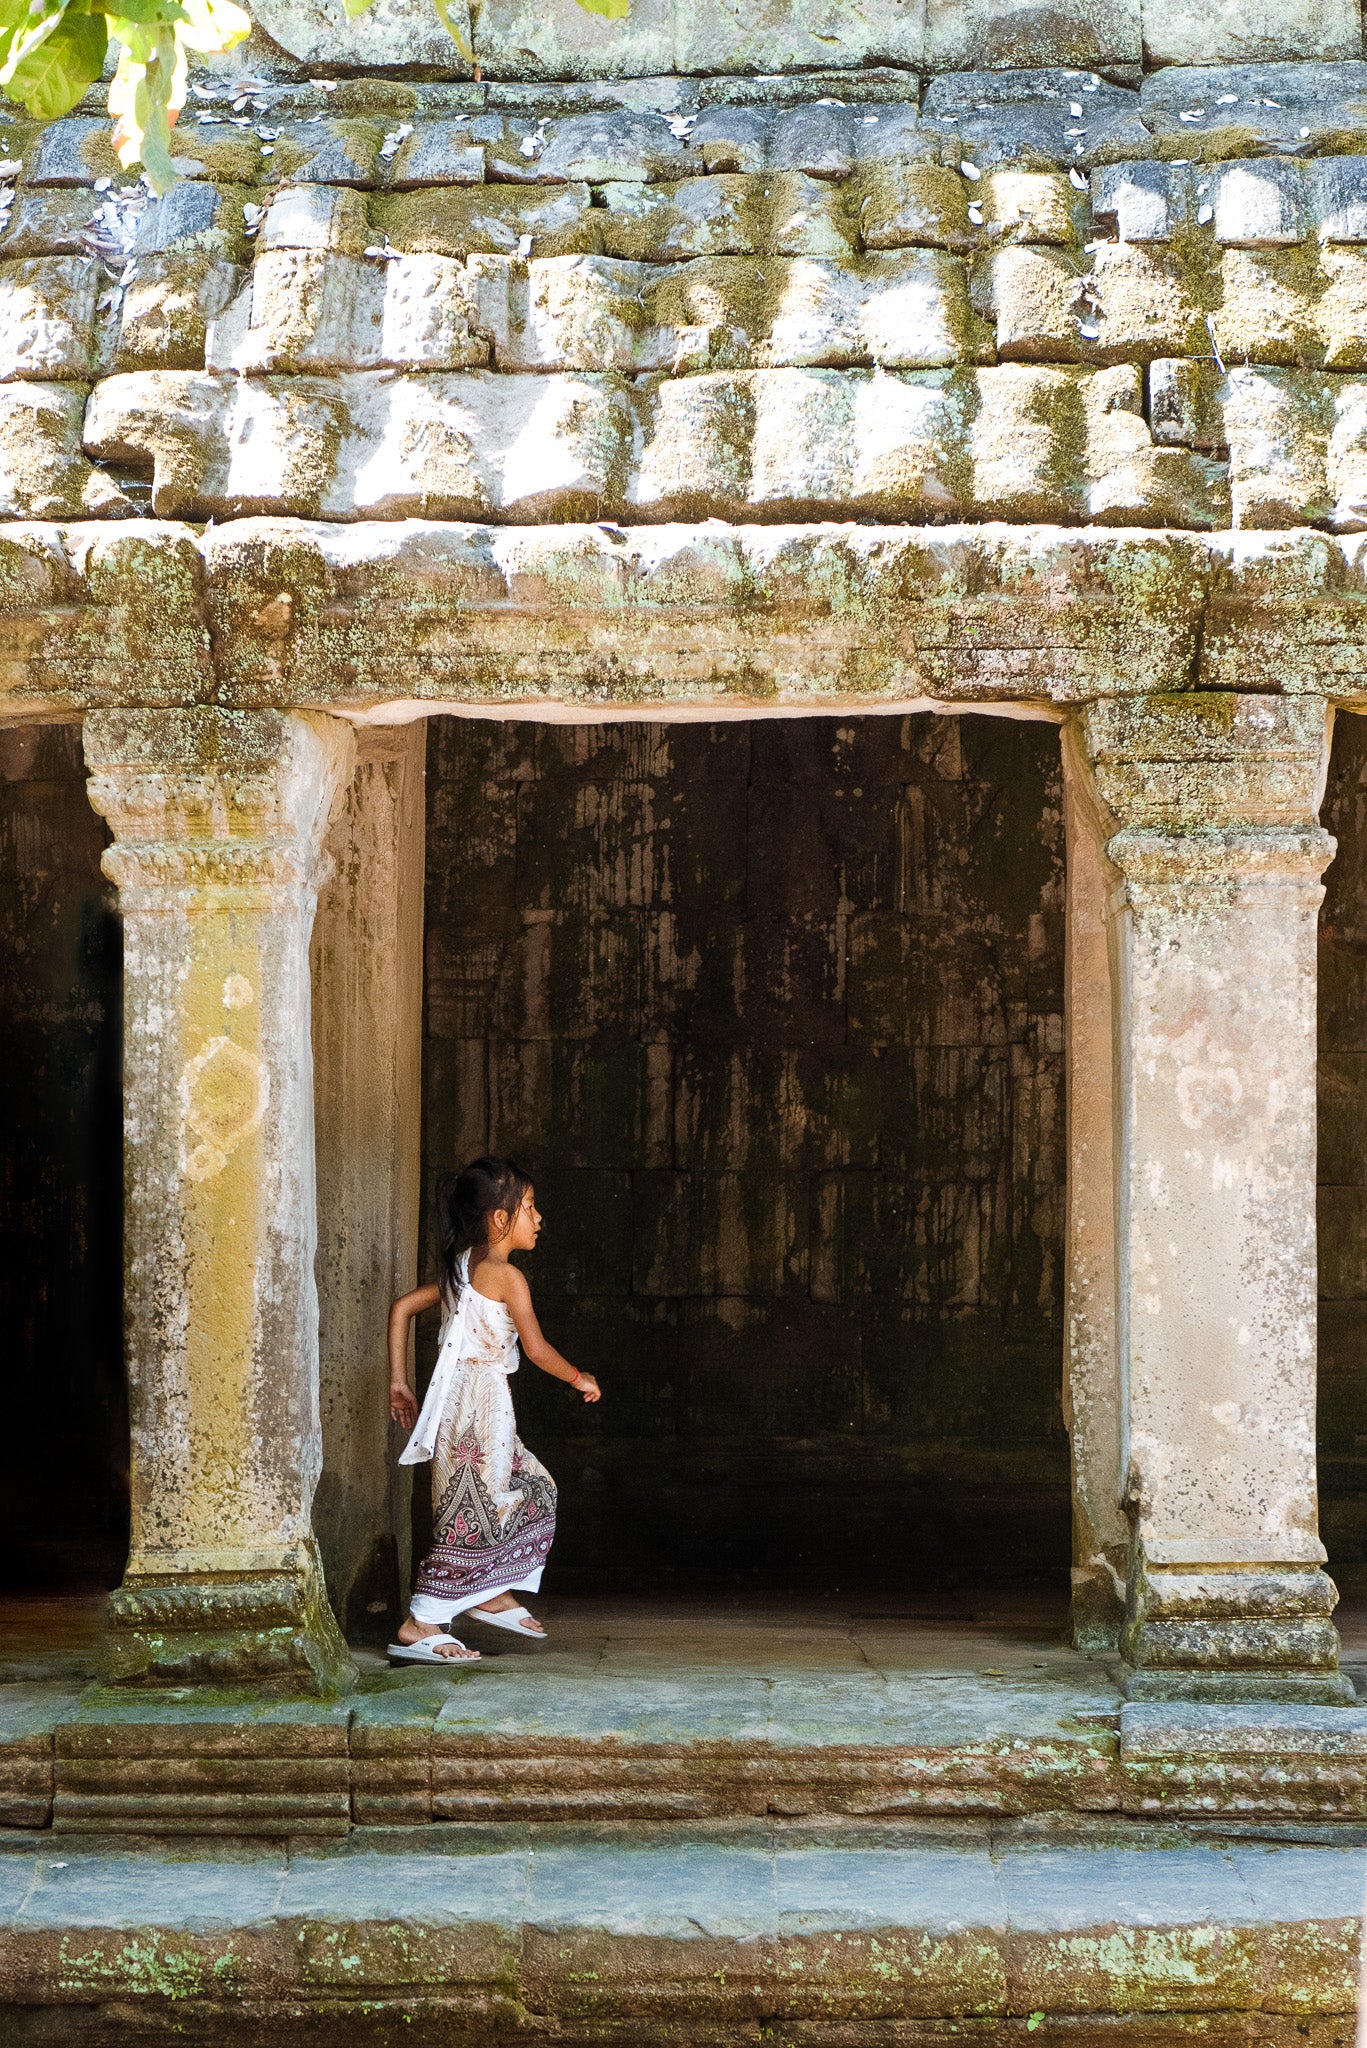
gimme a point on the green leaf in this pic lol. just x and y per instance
(355, 7)
(611, 10)
(49, 69)
(147, 13)
(456, 33)
(140, 99)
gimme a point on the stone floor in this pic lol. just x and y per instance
(782, 1639)
(687, 1820)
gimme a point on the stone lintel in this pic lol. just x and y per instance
(655, 621)
(218, 820)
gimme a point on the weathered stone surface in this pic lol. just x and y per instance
(785, 443)
(494, 220)
(1026, 117)
(1000, 34)
(28, 1716)
(854, 614)
(515, 39)
(307, 311)
(612, 148)
(1249, 31)
(316, 218)
(366, 972)
(43, 472)
(713, 216)
(76, 151)
(244, 1768)
(1219, 858)
(218, 822)
(690, 1929)
(47, 317)
(1232, 110)
(1191, 1759)
(716, 35)
(1092, 1393)
(168, 306)
(49, 223)
(390, 35)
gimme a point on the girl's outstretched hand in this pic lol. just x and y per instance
(588, 1386)
(403, 1405)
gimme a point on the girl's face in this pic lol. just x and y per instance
(525, 1227)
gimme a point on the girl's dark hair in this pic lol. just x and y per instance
(465, 1202)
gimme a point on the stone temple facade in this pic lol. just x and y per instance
(910, 364)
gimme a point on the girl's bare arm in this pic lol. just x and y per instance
(518, 1301)
(403, 1402)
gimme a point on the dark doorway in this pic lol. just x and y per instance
(1343, 1161)
(64, 1448)
(773, 1011)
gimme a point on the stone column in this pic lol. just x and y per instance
(367, 1048)
(1091, 1378)
(218, 820)
(1215, 852)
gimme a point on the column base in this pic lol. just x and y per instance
(1233, 1633)
(1096, 1612)
(1287, 1688)
(270, 1629)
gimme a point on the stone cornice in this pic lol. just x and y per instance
(390, 619)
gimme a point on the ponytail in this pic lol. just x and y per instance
(465, 1202)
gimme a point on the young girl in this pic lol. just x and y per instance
(494, 1502)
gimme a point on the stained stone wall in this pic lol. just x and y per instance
(1343, 1158)
(64, 1445)
(773, 1011)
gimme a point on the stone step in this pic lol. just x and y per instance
(649, 1934)
(522, 1743)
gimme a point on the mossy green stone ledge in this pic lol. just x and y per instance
(647, 1935)
(398, 618)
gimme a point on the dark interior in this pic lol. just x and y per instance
(64, 1445)
(773, 1012)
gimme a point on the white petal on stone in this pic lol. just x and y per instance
(1076, 180)
(1075, 109)
(1203, 214)
(1090, 333)
(971, 172)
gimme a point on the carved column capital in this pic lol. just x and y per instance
(208, 798)
(1201, 782)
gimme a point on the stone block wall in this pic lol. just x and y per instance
(64, 1446)
(773, 1012)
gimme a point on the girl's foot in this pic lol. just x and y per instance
(455, 1653)
(501, 1603)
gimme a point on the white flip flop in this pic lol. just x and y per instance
(507, 1618)
(427, 1650)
